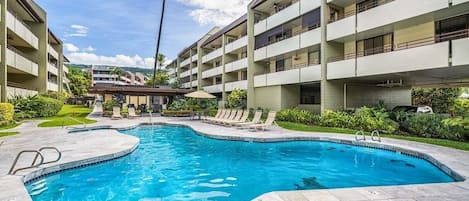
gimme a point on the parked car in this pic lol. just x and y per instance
(414, 109)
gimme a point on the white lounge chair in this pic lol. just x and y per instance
(132, 113)
(255, 120)
(242, 119)
(223, 116)
(116, 113)
(219, 113)
(230, 117)
(268, 122)
(239, 114)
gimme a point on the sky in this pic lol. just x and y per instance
(124, 32)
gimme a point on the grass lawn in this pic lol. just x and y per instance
(10, 126)
(77, 112)
(3, 134)
(440, 142)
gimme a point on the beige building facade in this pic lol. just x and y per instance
(31, 57)
(333, 54)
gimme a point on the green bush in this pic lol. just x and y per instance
(298, 116)
(176, 113)
(36, 107)
(237, 99)
(193, 104)
(431, 125)
(109, 105)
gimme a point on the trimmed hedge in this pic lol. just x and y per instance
(35, 107)
(176, 113)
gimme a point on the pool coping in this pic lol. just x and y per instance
(53, 169)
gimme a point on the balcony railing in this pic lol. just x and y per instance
(293, 34)
(21, 29)
(405, 45)
(363, 8)
(16, 59)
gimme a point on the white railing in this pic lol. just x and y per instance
(195, 57)
(214, 88)
(65, 69)
(13, 91)
(186, 85)
(195, 70)
(293, 76)
(242, 84)
(52, 69)
(21, 30)
(241, 42)
(212, 72)
(195, 83)
(53, 52)
(52, 86)
(186, 62)
(212, 55)
(185, 73)
(236, 65)
(21, 63)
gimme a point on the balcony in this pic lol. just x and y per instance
(52, 69)
(13, 91)
(293, 76)
(186, 62)
(52, 86)
(21, 63)
(293, 11)
(460, 49)
(237, 44)
(214, 88)
(212, 72)
(52, 52)
(456, 2)
(185, 73)
(195, 83)
(195, 58)
(382, 14)
(298, 41)
(22, 30)
(236, 65)
(406, 58)
(186, 85)
(195, 70)
(212, 55)
(65, 69)
(231, 86)
(66, 80)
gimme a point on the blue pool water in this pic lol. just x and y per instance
(173, 163)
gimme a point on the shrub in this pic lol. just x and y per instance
(176, 113)
(110, 104)
(7, 111)
(35, 107)
(298, 116)
(192, 104)
(237, 99)
(337, 119)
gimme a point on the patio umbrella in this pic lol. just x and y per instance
(200, 95)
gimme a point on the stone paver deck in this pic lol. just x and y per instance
(106, 144)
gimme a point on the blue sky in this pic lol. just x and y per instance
(123, 32)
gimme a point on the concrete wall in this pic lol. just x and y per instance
(358, 96)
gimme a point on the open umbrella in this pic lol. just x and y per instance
(200, 95)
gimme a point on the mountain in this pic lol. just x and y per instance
(145, 71)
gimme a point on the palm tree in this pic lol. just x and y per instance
(117, 72)
(161, 59)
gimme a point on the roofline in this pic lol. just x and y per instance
(196, 43)
(226, 29)
(255, 3)
(30, 7)
(54, 36)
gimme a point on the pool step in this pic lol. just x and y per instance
(38, 190)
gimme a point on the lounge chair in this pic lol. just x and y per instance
(219, 114)
(222, 117)
(242, 119)
(216, 116)
(230, 117)
(116, 113)
(255, 120)
(132, 113)
(268, 122)
(239, 114)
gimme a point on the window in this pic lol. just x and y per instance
(311, 20)
(280, 65)
(244, 75)
(452, 28)
(218, 80)
(376, 45)
(310, 94)
(314, 58)
(366, 5)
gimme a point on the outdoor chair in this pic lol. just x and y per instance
(268, 122)
(132, 113)
(255, 120)
(116, 113)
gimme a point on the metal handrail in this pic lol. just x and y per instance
(375, 132)
(38, 153)
(59, 154)
(358, 133)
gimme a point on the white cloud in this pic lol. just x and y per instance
(77, 31)
(89, 49)
(216, 12)
(71, 47)
(117, 60)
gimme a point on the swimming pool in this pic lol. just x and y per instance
(174, 163)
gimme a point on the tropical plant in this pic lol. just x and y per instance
(237, 99)
(117, 73)
(298, 116)
(35, 106)
(80, 81)
(162, 78)
(440, 99)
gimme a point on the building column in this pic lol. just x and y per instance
(3, 46)
(251, 96)
(223, 75)
(40, 56)
(60, 68)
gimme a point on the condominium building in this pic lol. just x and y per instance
(31, 56)
(105, 75)
(335, 54)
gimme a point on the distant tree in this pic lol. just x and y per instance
(161, 59)
(162, 78)
(440, 99)
(117, 72)
(80, 81)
